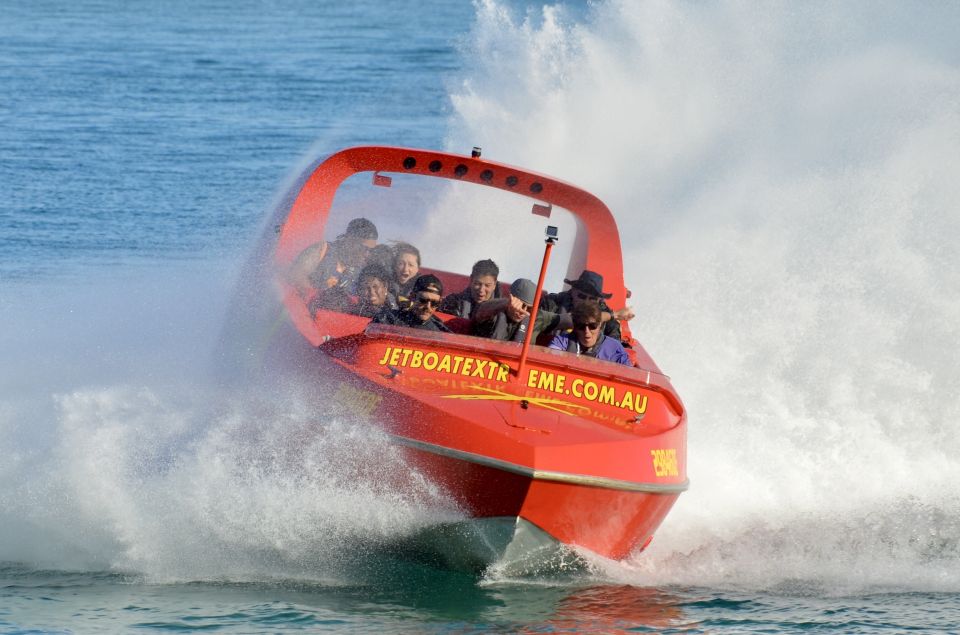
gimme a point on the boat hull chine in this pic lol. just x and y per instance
(610, 521)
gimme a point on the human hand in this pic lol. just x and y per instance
(518, 308)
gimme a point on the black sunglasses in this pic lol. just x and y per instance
(427, 301)
(580, 326)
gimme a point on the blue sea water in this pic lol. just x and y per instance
(785, 180)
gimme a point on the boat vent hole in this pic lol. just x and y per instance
(409, 163)
(486, 175)
(512, 181)
(435, 166)
(536, 188)
(524, 404)
(460, 170)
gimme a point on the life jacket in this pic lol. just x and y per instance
(502, 327)
(328, 274)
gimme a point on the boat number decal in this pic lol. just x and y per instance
(586, 389)
(362, 402)
(665, 462)
(446, 363)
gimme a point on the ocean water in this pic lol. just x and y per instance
(785, 178)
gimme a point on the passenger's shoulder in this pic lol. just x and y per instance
(386, 315)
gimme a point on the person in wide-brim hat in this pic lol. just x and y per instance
(591, 283)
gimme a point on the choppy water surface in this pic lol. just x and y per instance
(785, 180)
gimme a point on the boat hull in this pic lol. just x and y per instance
(584, 482)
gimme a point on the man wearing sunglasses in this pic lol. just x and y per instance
(588, 289)
(419, 314)
(587, 337)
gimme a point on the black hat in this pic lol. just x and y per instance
(428, 282)
(524, 290)
(361, 228)
(590, 282)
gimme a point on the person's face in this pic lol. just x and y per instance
(373, 291)
(587, 332)
(517, 310)
(406, 267)
(481, 288)
(579, 297)
(356, 251)
(425, 304)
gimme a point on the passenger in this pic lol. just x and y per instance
(372, 289)
(406, 267)
(588, 288)
(331, 269)
(483, 286)
(382, 255)
(508, 318)
(587, 338)
(426, 294)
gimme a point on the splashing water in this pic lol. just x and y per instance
(184, 478)
(784, 178)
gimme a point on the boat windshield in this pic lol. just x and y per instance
(455, 224)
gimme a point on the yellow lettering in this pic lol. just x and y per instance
(430, 360)
(577, 387)
(545, 382)
(478, 372)
(395, 357)
(458, 360)
(640, 405)
(406, 356)
(560, 381)
(444, 366)
(627, 401)
(590, 391)
(608, 395)
(417, 360)
(532, 378)
(503, 372)
(665, 462)
(386, 354)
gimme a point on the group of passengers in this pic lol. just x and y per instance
(354, 274)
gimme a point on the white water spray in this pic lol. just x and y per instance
(122, 452)
(785, 181)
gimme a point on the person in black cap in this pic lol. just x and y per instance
(508, 318)
(325, 273)
(425, 298)
(588, 288)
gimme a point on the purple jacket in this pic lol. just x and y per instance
(608, 348)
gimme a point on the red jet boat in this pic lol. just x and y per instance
(540, 449)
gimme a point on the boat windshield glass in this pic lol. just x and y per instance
(454, 224)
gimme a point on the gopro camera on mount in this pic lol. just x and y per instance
(552, 233)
